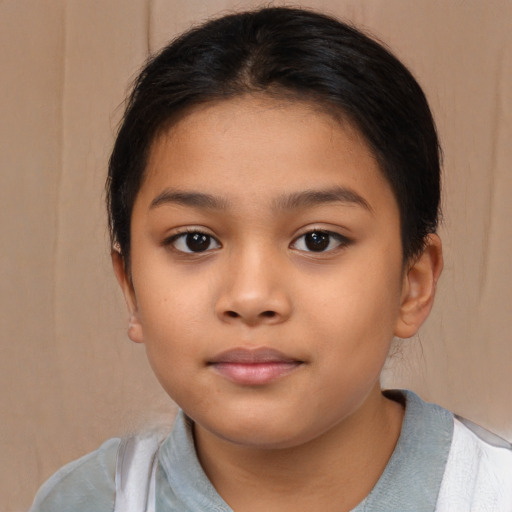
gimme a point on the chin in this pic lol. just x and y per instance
(260, 431)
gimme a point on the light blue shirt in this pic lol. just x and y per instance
(410, 481)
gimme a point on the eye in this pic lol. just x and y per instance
(193, 242)
(319, 241)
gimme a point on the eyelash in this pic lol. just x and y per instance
(319, 236)
(341, 241)
(182, 236)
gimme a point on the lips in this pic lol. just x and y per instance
(253, 367)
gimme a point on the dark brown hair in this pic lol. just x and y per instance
(299, 54)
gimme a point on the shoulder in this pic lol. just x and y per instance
(84, 485)
(478, 474)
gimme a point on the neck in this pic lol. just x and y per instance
(334, 471)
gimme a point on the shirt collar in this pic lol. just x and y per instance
(410, 481)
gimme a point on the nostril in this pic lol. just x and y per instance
(232, 314)
(268, 314)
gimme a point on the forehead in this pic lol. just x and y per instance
(260, 146)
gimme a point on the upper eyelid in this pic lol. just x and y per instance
(171, 241)
(318, 229)
(179, 231)
(342, 240)
(190, 229)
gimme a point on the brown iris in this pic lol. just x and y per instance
(317, 241)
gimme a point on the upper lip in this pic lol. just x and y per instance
(252, 356)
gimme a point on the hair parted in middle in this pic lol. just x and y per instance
(291, 54)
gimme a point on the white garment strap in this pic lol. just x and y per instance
(478, 473)
(135, 473)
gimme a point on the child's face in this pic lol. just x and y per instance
(272, 323)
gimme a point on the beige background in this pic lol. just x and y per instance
(69, 377)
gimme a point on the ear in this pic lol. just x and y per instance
(125, 282)
(419, 288)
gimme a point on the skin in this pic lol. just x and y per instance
(318, 436)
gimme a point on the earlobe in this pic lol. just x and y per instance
(134, 325)
(419, 288)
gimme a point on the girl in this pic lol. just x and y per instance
(273, 199)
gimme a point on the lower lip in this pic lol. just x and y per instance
(255, 374)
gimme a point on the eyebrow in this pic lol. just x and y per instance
(193, 199)
(308, 198)
(293, 201)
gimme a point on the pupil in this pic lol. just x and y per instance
(317, 241)
(197, 242)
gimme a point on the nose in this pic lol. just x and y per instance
(254, 291)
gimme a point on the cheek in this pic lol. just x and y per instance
(171, 309)
(172, 323)
(355, 311)
(366, 291)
